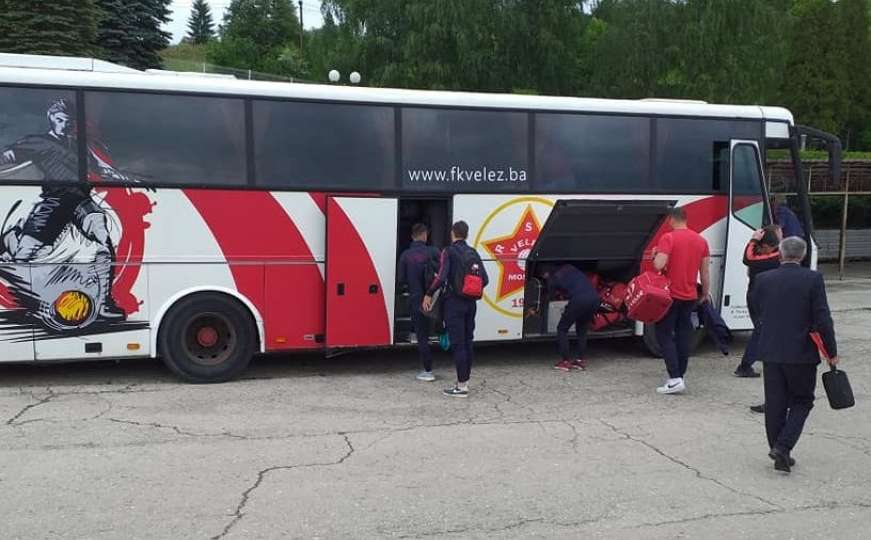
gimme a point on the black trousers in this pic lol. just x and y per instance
(579, 312)
(460, 322)
(789, 398)
(422, 325)
(751, 353)
(673, 334)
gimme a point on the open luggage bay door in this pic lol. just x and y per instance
(748, 211)
(360, 271)
(609, 234)
(607, 237)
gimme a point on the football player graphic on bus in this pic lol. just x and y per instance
(65, 228)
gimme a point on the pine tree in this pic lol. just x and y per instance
(201, 28)
(130, 32)
(59, 27)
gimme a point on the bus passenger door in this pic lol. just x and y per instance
(748, 212)
(360, 271)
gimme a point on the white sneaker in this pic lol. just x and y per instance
(672, 386)
(425, 376)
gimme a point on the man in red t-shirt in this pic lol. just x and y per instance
(683, 256)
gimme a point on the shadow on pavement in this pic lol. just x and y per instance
(274, 366)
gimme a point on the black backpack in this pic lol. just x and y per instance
(468, 282)
(431, 270)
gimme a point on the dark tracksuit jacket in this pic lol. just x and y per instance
(412, 272)
(583, 302)
(459, 310)
(756, 263)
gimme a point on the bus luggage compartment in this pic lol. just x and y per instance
(604, 238)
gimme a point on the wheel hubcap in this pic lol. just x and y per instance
(209, 339)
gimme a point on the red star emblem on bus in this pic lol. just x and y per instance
(511, 251)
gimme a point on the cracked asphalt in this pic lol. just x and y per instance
(354, 447)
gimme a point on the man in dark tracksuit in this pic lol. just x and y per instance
(459, 310)
(760, 255)
(583, 303)
(413, 265)
(791, 303)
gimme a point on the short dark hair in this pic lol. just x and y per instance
(678, 214)
(770, 237)
(460, 230)
(418, 230)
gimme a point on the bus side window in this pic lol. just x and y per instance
(37, 135)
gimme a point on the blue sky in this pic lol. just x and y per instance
(181, 10)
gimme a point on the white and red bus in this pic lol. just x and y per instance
(204, 220)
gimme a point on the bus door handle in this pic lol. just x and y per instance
(340, 289)
(373, 289)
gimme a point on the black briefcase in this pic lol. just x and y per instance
(838, 389)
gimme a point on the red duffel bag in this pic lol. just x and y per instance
(648, 298)
(604, 320)
(614, 295)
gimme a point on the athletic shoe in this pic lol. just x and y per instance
(563, 365)
(758, 408)
(746, 372)
(782, 461)
(425, 376)
(672, 386)
(580, 364)
(455, 392)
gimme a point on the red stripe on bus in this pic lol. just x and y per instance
(252, 226)
(701, 215)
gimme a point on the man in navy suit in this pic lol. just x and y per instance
(791, 303)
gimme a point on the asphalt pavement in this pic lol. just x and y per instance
(354, 447)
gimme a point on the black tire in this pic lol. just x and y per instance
(207, 338)
(651, 344)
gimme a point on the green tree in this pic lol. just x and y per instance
(491, 45)
(130, 32)
(59, 27)
(634, 49)
(201, 28)
(816, 81)
(255, 35)
(855, 23)
(732, 52)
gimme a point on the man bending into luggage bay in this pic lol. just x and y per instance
(583, 303)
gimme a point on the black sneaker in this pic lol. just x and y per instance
(758, 408)
(746, 372)
(782, 461)
(455, 392)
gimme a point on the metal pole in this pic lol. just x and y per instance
(301, 27)
(842, 254)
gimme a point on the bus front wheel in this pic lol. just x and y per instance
(651, 344)
(207, 338)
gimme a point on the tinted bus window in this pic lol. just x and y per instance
(592, 153)
(169, 139)
(748, 201)
(461, 150)
(688, 152)
(324, 145)
(36, 135)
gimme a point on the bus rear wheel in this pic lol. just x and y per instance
(207, 338)
(651, 344)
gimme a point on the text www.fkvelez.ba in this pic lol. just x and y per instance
(460, 175)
